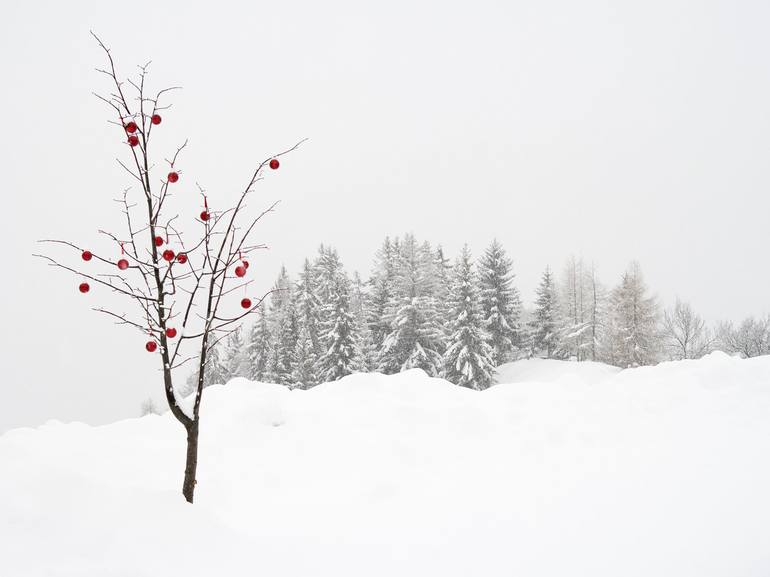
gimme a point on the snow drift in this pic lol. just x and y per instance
(568, 469)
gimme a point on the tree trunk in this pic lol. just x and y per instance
(188, 488)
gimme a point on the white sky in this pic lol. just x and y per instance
(615, 130)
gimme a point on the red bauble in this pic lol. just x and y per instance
(131, 127)
(181, 258)
(168, 255)
(173, 176)
(156, 119)
(122, 264)
(205, 215)
(245, 264)
(171, 332)
(274, 163)
(158, 241)
(246, 303)
(84, 288)
(240, 271)
(133, 140)
(86, 255)
(151, 346)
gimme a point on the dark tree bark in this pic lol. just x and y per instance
(169, 291)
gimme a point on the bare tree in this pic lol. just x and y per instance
(750, 339)
(149, 407)
(685, 334)
(170, 288)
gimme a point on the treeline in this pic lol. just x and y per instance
(459, 320)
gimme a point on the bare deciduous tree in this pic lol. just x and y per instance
(750, 339)
(184, 288)
(685, 334)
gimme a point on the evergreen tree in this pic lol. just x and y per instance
(468, 358)
(308, 306)
(304, 360)
(500, 303)
(545, 323)
(236, 360)
(632, 337)
(284, 330)
(415, 336)
(381, 290)
(443, 273)
(215, 372)
(338, 323)
(259, 349)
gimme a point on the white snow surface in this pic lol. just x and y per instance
(568, 470)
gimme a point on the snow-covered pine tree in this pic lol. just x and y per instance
(284, 330)
(468, 358)
(443, 287)
(500, 303)
(236, 360)
(215, 372)
(415, 338)
(259, 347)
(304, 360)
(381, 291)
(632, 338)
(367, 356)
(338, 339)
(545, 324)
(307, 304)
(366, 353)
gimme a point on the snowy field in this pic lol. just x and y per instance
(566, 470)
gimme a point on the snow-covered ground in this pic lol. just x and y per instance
(567, 470)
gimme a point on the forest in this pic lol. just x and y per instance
(460, 319)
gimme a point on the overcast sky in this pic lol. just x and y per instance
(611, 130)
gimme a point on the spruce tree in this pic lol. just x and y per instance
(259, 349)
(381, 291)
(304, 360)
(308, 306)
(338, 339)
(215, 371)
(415, 338)
(468, 358)
(236, 360)
(545, 325)
(284, 330)
(500, 303)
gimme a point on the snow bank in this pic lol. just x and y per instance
(564, 470)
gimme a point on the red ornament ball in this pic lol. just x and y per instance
(245, 264)
(240, 271)
(181, 258)
(156, 119)
(158, 241)
(151, 346)
(131, 127)
(171, 332)
(122, 264)
(173, 177)
(246, 303)
(205, 215)
(168, 255)
(84, 288)
(133, 140)
(86, 256)
(274, 163)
